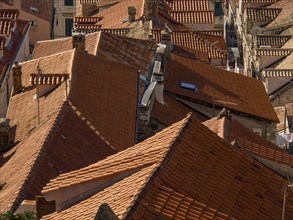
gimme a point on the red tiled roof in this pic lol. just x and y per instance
(262, 14)
(117, 15)
(45, 8)
(188, 5)
(231, 130)
(193, 40)
(122, 49)
(183, 172)
(191, 17)
(134, 52)
(73, 132)
(172, 111)
(219, 87)
(9, 13)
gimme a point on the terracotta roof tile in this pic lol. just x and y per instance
(128, 159)
(273, 52)
(231, 130)
(45, 8)
(117, 15)
(172, 111)
(284, 16)
(73, 133)
(221, 87)
(272, 40)
(262, 14)
(9, 13)
(195, 171)
(188, 5)
(191, 17)
(134, 52)
(193, 40)
(260, 1)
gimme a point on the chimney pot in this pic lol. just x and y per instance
(166, 40)
(4, 134)
(17, 81)
(78, 41)
(131, 13)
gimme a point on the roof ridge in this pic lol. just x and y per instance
(43, 58)
(155, 171)
(41, 151)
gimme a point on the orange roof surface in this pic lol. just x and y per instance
(134, 52)
(117, 15)
(188, 5)
(197, 41)
(172, 111)
(219, 87)
(45, 8)
(262, 14)
(231, 130)
(73, 132)
(191, 17)
(184, 172)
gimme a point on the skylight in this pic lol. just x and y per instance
(189, 86)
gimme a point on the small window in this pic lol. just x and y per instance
(218, 9)
(68, 2)
(68, 26)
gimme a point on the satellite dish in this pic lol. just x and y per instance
(256, 30)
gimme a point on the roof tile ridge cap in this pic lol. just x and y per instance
(151, 178)
(39, 154)
(43, 58)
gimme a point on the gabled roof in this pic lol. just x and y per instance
(231, 130)
(185, 171)
(134, 52)
(197, 41)
(219, 87)
(73, 132)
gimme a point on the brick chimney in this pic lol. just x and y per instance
(150, 9)
(17, 82)
(78, 41)
(4, 134)
(131, 13)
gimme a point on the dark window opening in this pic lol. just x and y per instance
(68, 2)
(68, 26)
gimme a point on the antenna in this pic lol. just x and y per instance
(38, 100)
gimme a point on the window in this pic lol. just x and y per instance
(68, 26)
(218, 9)
(68, 2)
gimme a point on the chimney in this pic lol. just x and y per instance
(4, 134)
(2, 43)
(166, 39)
(151, 9)
(131, 13)
(78, 41)
(225, 113)
(17, 82)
